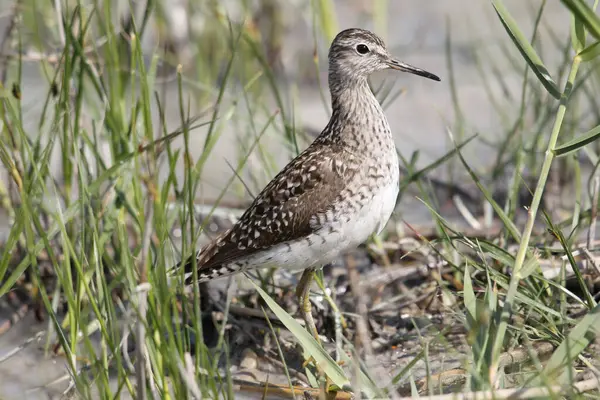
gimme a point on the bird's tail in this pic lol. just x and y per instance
(185, 267)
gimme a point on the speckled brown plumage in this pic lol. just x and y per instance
(280, 213)
(332, 196)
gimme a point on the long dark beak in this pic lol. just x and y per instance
(400, 66)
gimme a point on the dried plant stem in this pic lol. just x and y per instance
(142, 351)
(522, 393)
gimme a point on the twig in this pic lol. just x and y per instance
(189, 377)
(522, 354)
(124, 345)
(279, 364)
(384, 277)
(142, 352)
(458, 376)
(362, 331)
(248, 312)
(464, 211)
(592, 260)
(275, 390)
(522, 393)
(22, 346)
(391, 303)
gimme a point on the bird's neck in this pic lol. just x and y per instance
(357, 120)
(350, 93)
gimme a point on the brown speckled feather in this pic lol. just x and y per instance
(283, 211)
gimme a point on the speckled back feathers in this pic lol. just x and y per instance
(285, 210)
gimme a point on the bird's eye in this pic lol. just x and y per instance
(362, 49)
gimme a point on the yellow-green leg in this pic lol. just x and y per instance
(303, 292)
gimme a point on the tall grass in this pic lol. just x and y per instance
(95, 185)
(106, 218)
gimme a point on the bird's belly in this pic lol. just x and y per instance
(334, 238)
(388, 197)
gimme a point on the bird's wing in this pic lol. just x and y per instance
(288, 208)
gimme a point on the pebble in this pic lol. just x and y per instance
(249, 359)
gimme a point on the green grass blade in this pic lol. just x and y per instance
(577, 33)
(11, 242)
(590, 52)
(586, 15)
(526, 49)
(577, 143)
(308, 342)
(561, 238)
(469, 295)
(496, 252)
(327, 16)
(530, 266)
(577, 340)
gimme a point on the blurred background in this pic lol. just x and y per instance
(242, 87)
(461, 41)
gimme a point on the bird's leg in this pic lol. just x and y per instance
(303, 293)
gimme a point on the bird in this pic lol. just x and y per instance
(332, 196)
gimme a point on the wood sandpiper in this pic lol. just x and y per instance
(334, 195)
